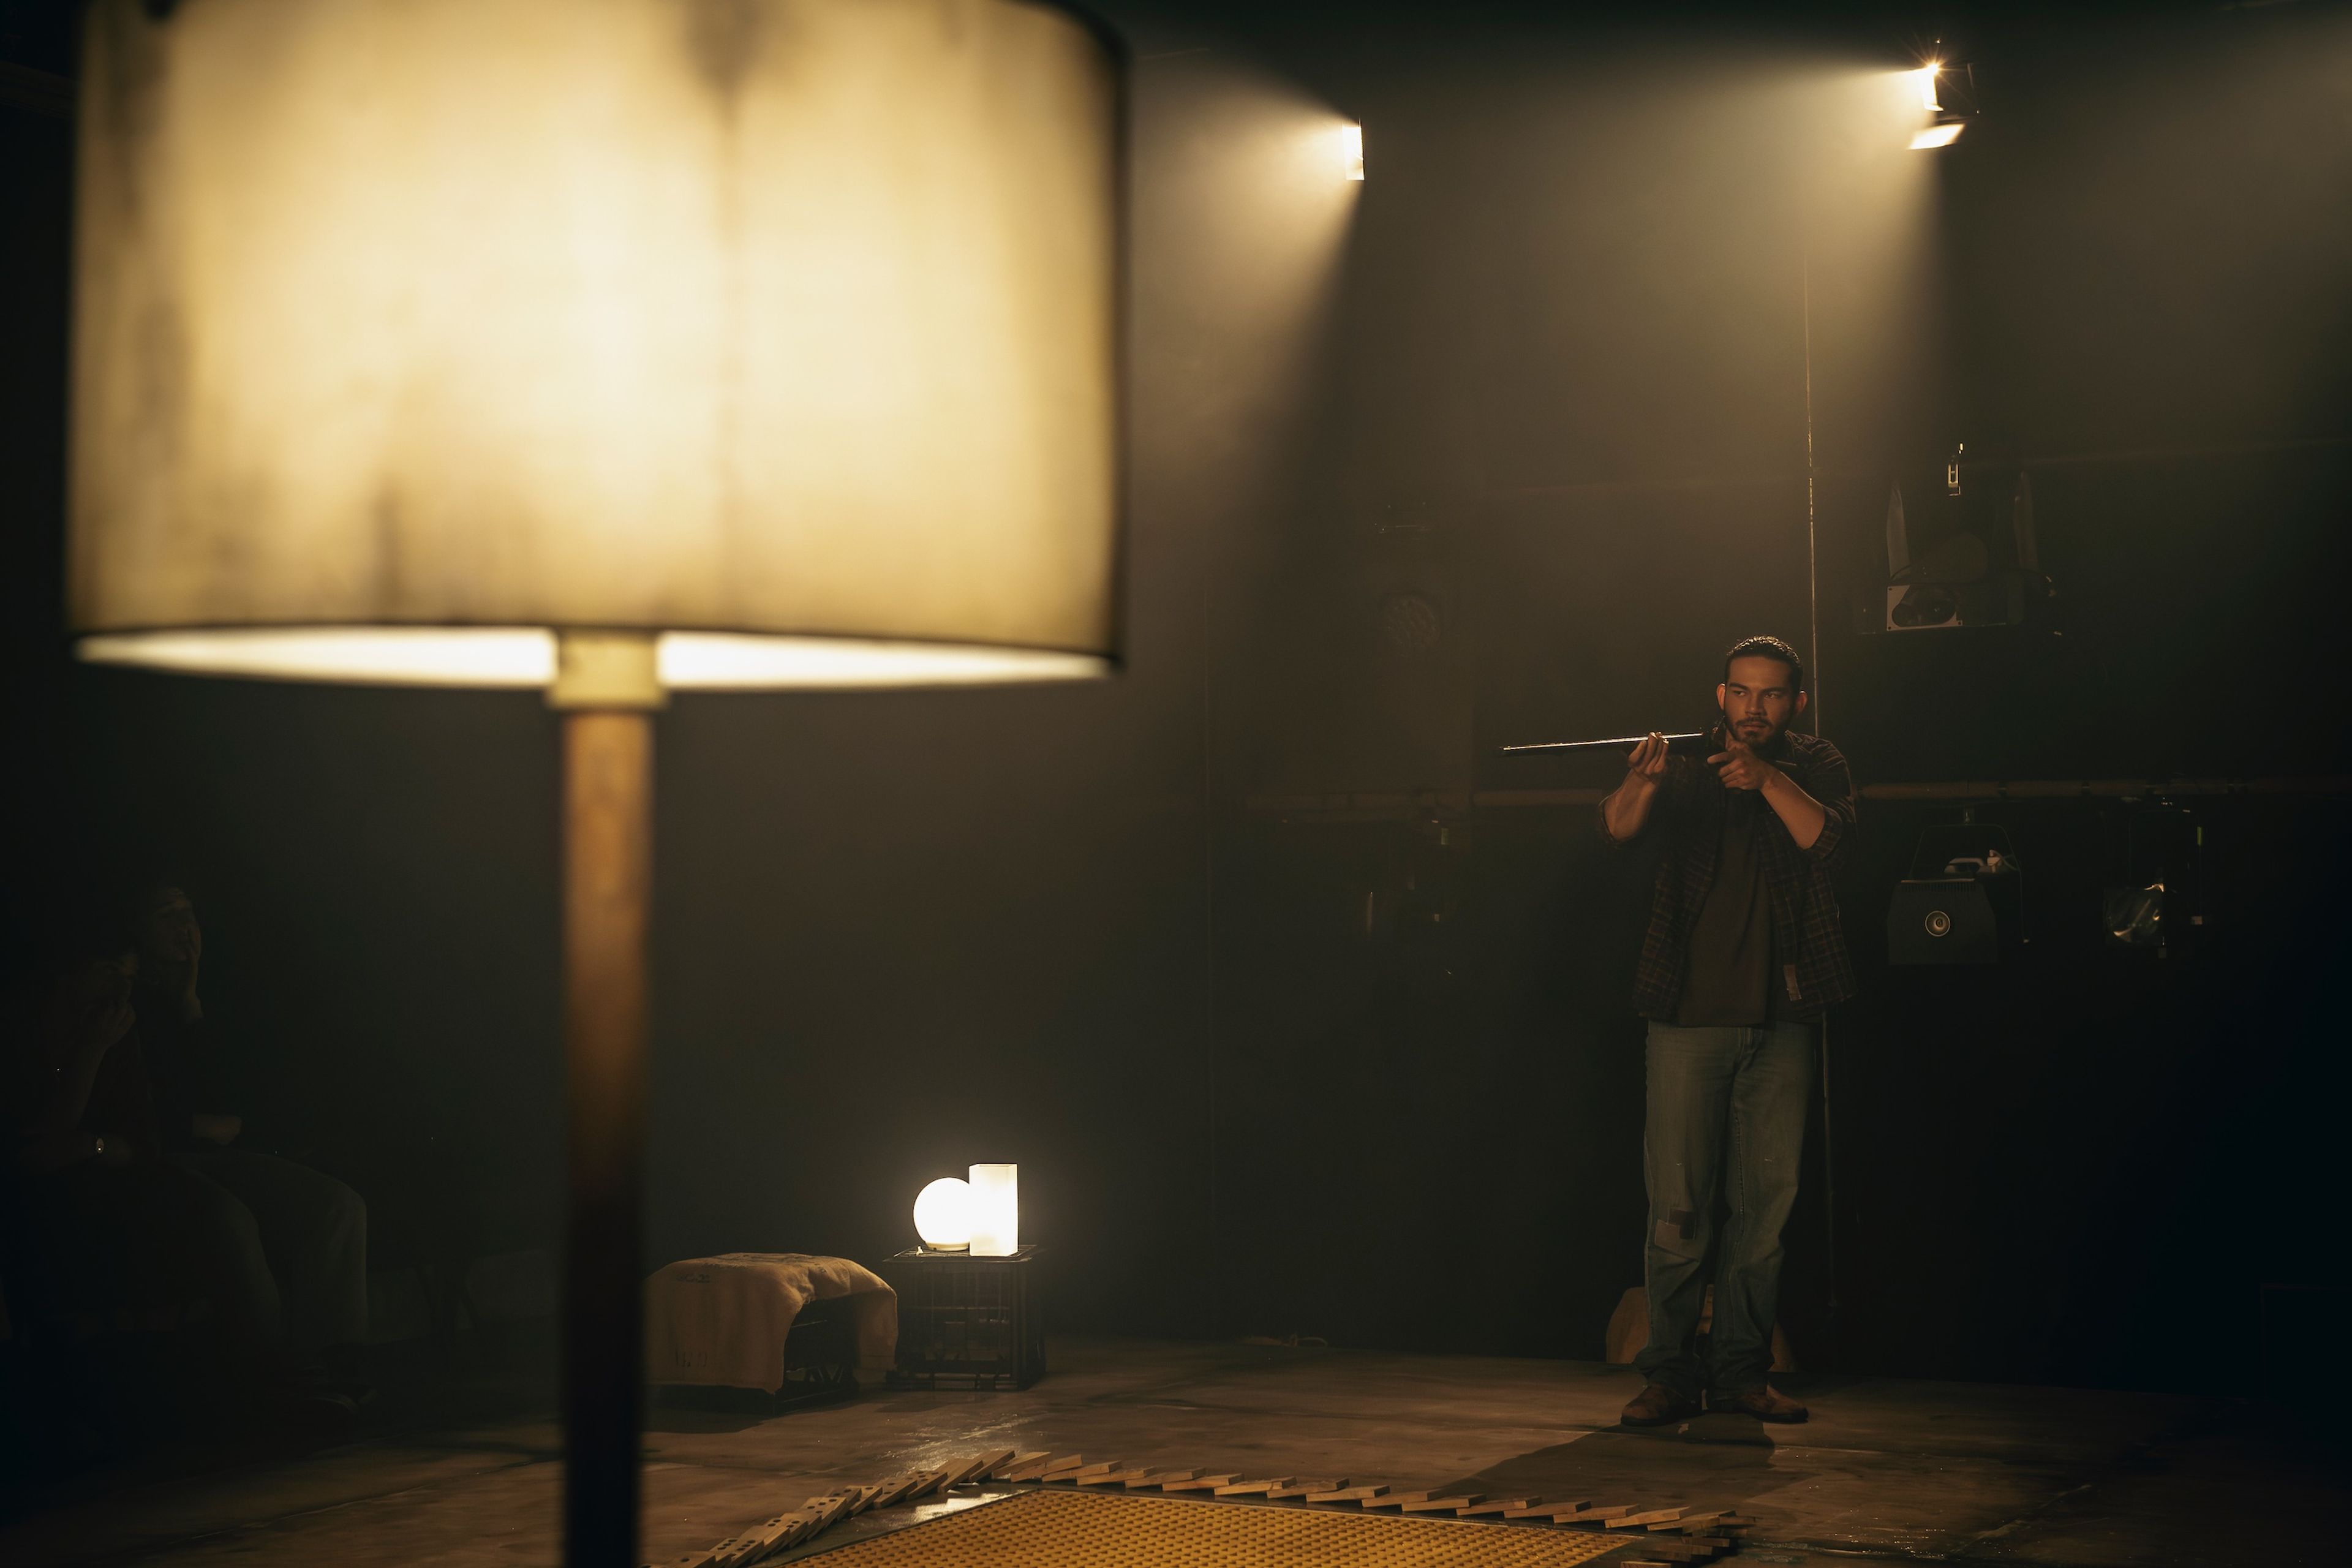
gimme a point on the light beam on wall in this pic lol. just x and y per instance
(1243, 209)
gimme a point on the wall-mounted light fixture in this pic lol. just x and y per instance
(1926, 76)
(1350, 140)
(1934, 82)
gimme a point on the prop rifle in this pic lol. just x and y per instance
(1696, 744)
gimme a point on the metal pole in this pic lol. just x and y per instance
(1813, 553)
(1813, 652)
(607, 880)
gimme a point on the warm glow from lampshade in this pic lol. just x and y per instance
(410, 331)
(995, 1211)
(1942, 135)
(523, 656)
(943, 1215)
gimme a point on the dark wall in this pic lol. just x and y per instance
(1509, 446)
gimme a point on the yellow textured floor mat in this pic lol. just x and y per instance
(1080, 1530)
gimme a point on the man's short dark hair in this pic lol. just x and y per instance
(1768, 648)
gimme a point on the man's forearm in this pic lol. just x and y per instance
(1627, 810)
(1802, 814)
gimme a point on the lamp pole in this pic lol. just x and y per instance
(606, 689)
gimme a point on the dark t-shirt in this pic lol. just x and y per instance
(182, 1065)
(1729, 978)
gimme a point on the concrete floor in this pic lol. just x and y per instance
(1888, 1471)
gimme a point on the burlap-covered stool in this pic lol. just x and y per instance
(727, 1321)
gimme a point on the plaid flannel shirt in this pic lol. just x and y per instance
(1808, 943)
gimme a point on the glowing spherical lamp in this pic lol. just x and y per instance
(943, 1215)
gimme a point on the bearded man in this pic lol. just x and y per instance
(1742, 958)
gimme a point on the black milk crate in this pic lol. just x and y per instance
(966, 1321)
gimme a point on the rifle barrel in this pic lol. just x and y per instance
(1627, 741)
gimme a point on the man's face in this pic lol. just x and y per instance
(167, 926)
(1759, 698)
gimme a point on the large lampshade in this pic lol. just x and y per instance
(411, 333)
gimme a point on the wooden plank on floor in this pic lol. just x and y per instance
(1161, 1479)
(778, 1533)
(1688, 1521)
(1304, 1489)
(1446, 1504)
(1018, 1462)
(1201, 1484)
(1630, 1520)
(1502, 1505)
(1546, 1508)
(899, 1490)
(1348, 1494)
(978, 1466)
(1254, 1488)
(760, 1540)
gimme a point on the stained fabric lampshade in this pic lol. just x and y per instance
(411, 332)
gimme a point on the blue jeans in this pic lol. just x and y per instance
(1727, 1121)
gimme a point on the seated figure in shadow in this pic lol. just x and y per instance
(124, 1162)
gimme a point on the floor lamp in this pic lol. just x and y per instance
(609, 347)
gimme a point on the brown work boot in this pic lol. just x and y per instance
(1763, 1402)
(1656, 1404)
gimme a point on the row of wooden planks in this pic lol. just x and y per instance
(1701, 1536)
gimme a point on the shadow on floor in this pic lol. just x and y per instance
(1708, 1462)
